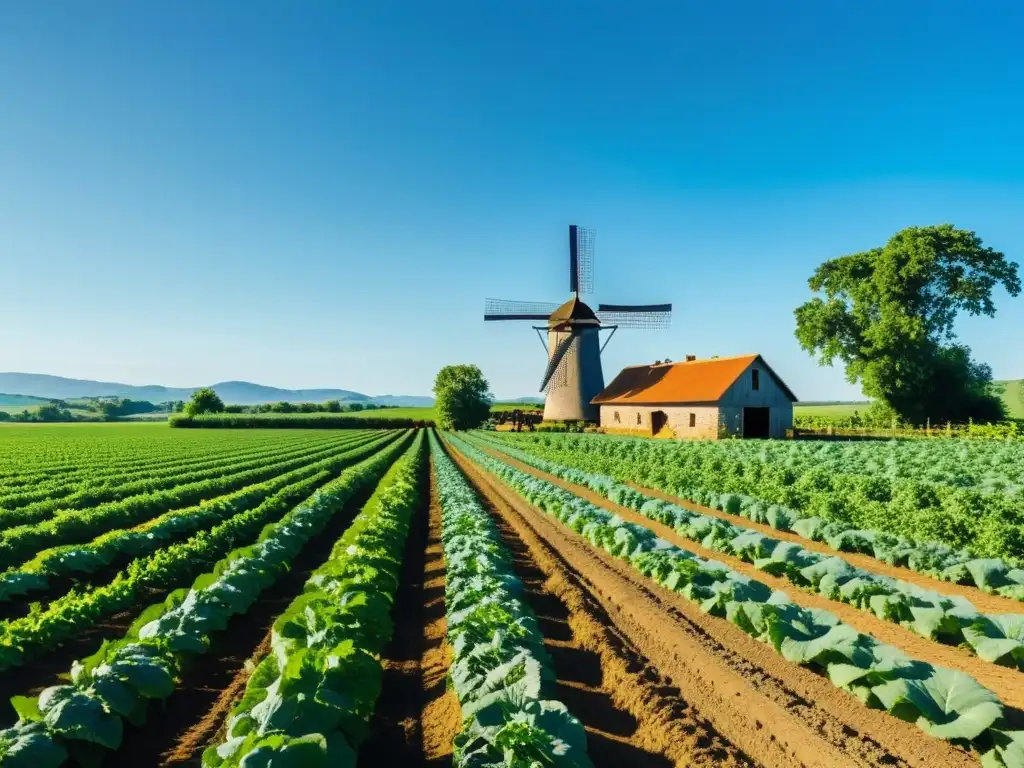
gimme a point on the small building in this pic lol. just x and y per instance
(699, 399)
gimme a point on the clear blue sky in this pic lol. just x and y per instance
(322, 193)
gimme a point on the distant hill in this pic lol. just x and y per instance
(32, 387)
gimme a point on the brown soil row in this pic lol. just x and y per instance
(983, 601)
(1005, 682)
(417, 717)
(778, 713)
(632, 714)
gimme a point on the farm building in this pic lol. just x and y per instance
(699, 399)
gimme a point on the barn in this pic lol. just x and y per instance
(698, 399)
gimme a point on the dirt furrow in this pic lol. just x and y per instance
(632, 715)
(983, 601)
(1005, 682)
(417, 717)
(778, 713)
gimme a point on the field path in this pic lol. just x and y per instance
(778, 713)
(633, 716)
(417, 717)
(1005, 682)
(983, 601)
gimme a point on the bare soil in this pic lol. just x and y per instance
(632, 714)
(417, 717)
(1005, 682)
(777, 713)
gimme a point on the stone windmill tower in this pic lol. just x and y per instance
(573, 376)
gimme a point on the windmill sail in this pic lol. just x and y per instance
(503, 309)
(581, 259)
(647, 316)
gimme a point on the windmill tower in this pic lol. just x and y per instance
(573, 376)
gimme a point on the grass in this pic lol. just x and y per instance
(829, 410)
(1013, 396)
(1012, 392)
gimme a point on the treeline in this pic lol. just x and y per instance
(330, 406)
(91, 409)
(227, 420)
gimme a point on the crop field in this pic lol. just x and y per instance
(374, 597)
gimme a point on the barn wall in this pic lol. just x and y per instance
(707, 418)
(769, 395)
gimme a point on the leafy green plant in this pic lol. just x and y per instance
(116, 683)
(313, 695)
(501, 672)
(944, 703)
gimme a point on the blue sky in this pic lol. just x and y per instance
(322, 194)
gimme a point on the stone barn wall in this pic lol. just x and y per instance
(637, 418)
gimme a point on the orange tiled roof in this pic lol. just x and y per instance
(696, 381)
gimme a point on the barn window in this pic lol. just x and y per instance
(755, 379)
(693, 419)
(617, 417)
(638, 420)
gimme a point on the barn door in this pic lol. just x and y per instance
(756, 422)
(658, 420)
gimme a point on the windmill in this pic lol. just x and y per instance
(573, 376)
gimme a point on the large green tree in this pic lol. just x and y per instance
(887, 314)
(204, 401)
(462, 398)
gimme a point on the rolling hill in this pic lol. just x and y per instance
(34, 386)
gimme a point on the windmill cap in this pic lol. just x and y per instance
(573, 309)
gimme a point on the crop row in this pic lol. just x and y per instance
(166, 568)
(64, 560)
(21, 542)
(310, 700)
(501, 671)
(999, 571)
(997, 638)
(99, 484)
(140, 483)
(945, 703)
(34, 454)
(115, 685)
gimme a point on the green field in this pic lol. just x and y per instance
(1012, 392)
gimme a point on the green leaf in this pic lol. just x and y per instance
(27, 708)
(279, 751)
(30, 746)
(947, 704)
(76, 715)
(998, 638)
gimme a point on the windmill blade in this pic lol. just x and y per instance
(581, 259)
(555, 372)
(645, 316)
(503, 309)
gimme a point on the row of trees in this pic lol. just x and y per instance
(208, 401)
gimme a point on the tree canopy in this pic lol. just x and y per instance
(462, 398)
(887, 314)
(204, 401)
